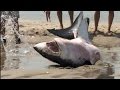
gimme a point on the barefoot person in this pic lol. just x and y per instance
(59, 14)
(5, 15)
(110, 20)
(47, 15)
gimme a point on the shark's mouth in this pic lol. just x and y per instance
(53, 46)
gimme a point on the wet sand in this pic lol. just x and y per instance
(23, 62)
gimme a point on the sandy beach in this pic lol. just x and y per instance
(28, 64)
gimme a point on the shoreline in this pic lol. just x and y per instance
(66, 23)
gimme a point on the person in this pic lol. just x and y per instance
(48, 15)
(59, 14)
(110, 21)
(5, 15)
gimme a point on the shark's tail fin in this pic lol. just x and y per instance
(77, 21)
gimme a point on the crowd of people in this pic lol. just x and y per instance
(5, 15)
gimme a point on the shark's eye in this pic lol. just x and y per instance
(53, 46)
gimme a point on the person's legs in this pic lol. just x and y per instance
(49, 15)
(96, 20)
(59, 14)
(71, 13)
(110, 20)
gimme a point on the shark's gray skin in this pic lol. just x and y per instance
(74, 52)
(68, 33)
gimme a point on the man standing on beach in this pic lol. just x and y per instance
(6, 15)
(110, 20)
(59, 14)
(47, 15)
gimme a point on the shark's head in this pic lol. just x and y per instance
(64, 52)
(58, 51)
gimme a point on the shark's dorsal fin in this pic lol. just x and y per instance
(77, 21)
(83, 30)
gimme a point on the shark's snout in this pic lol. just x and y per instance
(35, 48)
(38, 47)
(51, 47)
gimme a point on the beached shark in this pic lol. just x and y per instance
(68, 33)
(74, 52)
